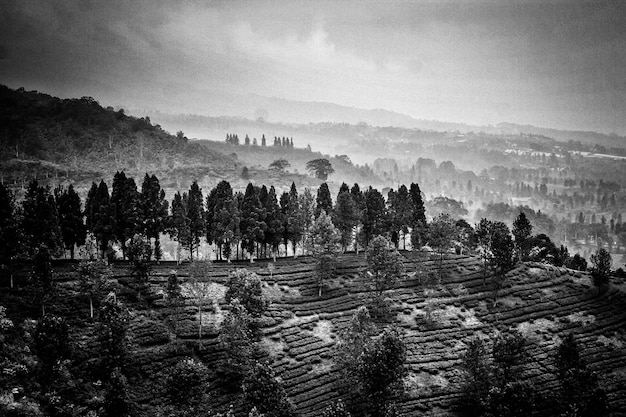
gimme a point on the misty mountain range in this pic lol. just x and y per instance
(272, 109)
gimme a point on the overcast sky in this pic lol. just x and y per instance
(552, 64)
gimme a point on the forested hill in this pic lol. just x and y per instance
(77, 141)
(72, 137)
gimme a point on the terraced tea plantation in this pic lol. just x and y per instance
(301, 328)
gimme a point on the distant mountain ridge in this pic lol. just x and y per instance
(282, 110)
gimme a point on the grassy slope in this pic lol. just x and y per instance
(301, 329)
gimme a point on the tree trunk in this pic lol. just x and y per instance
(90, 307)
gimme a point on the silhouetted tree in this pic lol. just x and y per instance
(601, 263)
(40, 220)
(252, 223)
(418, 217)
(279, 165)
(321, 168)
(522, 231)
(125, 203)
(73, 229)
(194, 208)
(274, 221)
(374, 217)
(345, 217)
(324, 201)
(223, 215)
(400, 214)
(154, 211)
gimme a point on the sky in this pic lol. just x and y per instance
(550, 64)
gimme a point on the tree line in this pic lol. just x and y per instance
(233, 139)
(259, 222)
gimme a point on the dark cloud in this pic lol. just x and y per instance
(556, 63)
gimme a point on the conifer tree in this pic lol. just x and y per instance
(418, 217)
(154, 210)
(125, 203)
(374, 218)
(90, 206)
(263, 140)
(178, 222)
(252, 224)
(323, 200)
(102, 220)
(274, 221)
(601, 269)
(359, 203)
(400, 213)
(224, 218)
(345, 217)
(194, 210)
(70, 218)
(40, 220)
(522, 231)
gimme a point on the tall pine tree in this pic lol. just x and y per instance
(125, 204)
(418, 218)
(71, 216)
(252, 224)
(324, 201)
(224, 218)
(194, 210)
(345, 217)
(178, 223)
(274, 221)
(154, 209)
(40, 220)
(375, 215)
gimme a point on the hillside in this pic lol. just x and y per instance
(300, 329)
(62, 141)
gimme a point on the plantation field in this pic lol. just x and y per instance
(301, 328)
